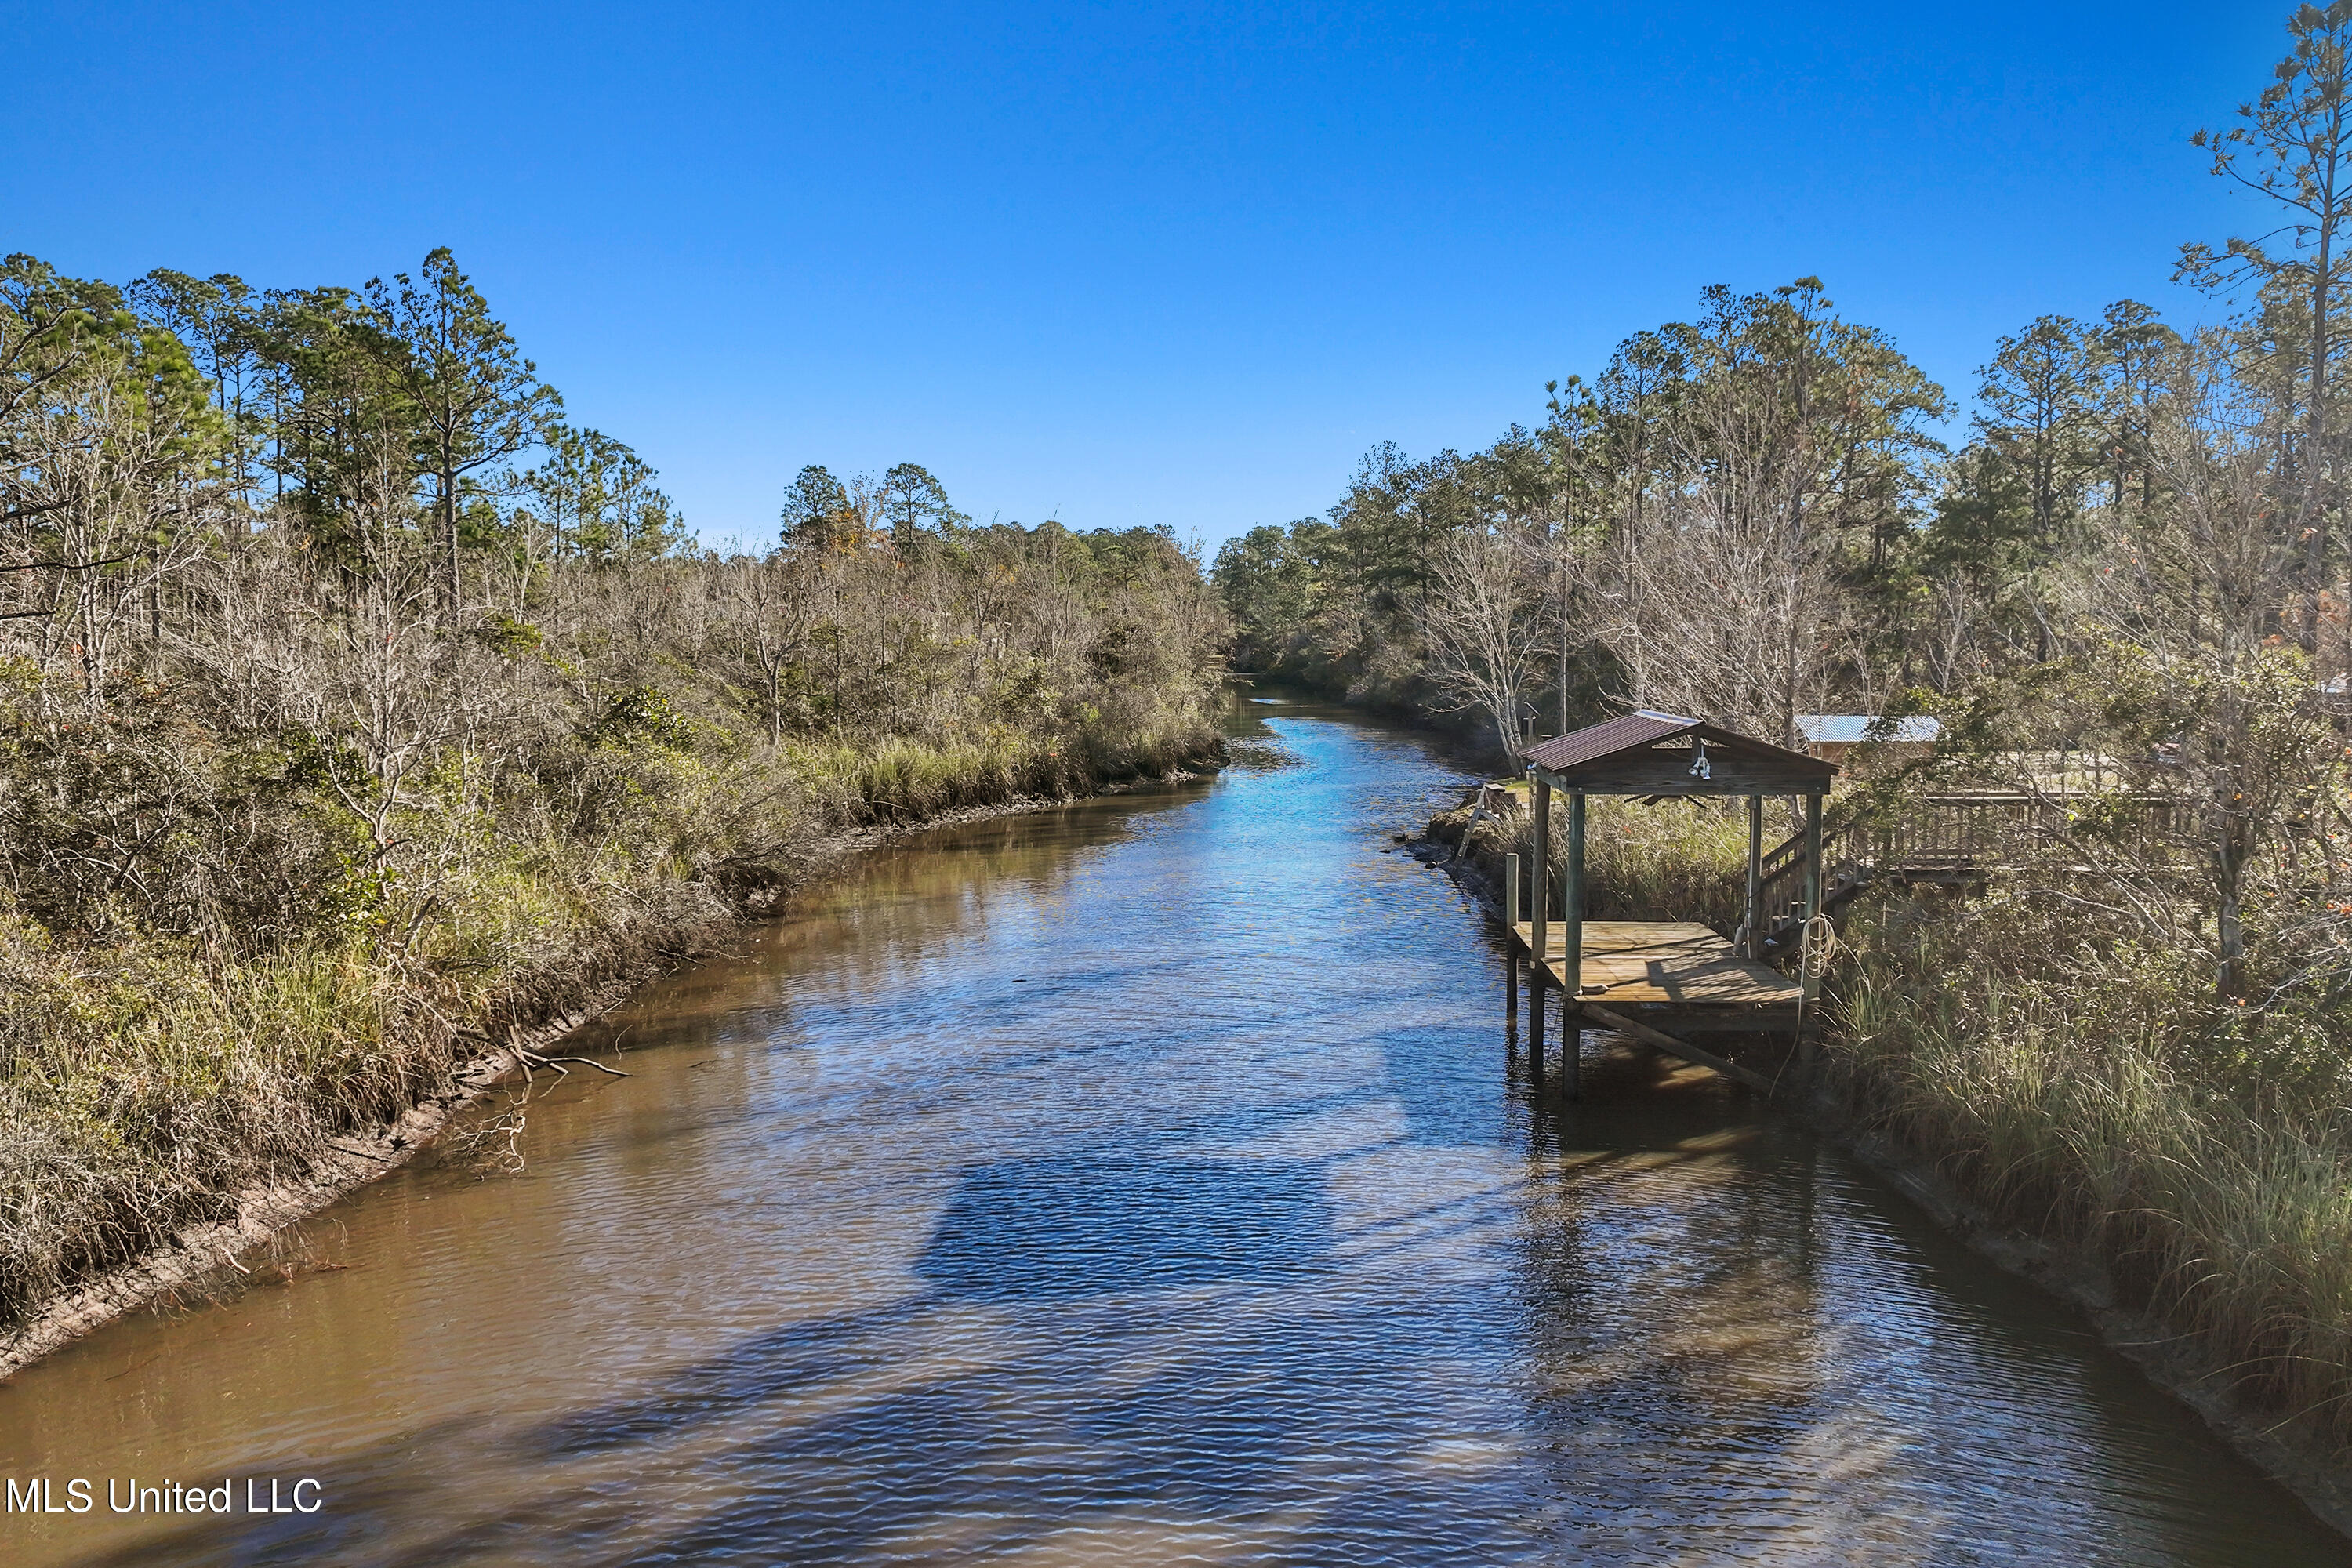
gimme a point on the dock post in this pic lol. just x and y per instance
(1572, 920)
(1539, 924)
(1511, 944)
(1572, 1047)
(1755, 926)
(1812, 856)
(1812, 909)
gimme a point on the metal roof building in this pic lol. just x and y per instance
(1853, 729)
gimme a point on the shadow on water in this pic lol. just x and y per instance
(1086, 1222)
(1143, 1181)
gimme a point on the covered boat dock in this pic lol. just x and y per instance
(1663, 983)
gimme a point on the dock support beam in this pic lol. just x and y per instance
(1812, 910)
(1607, 1019)
(1572, 920)
(1753, 943)
(1511, 945)
(1812, 856)
(1540, 925)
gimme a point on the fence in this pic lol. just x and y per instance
(1959, 834)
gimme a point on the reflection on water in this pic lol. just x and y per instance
(1090, 1222)
(1142, 1181)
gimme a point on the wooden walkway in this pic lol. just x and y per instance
(1663, 983)
(1660, 963)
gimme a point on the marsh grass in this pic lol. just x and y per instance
(2084, 1086)
(144, 1080)
(141, 1089)
(1677, 860)
(2092, 1092)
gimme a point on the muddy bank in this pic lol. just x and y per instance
(2313, 1468)
(340, 1166)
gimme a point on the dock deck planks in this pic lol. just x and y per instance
(1669, 964)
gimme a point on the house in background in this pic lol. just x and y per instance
(1830, 736)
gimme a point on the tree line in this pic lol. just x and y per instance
(2138, 550)
(355, 703)
(1753, 514)
(2121, 586)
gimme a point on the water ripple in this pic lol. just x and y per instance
(1141, 1183)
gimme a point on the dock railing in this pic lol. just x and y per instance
(1979, 832)
(1967, 834)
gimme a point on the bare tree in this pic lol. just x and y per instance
(2179, 612)
(1479, 624)
(777, 613)
(2293, 145)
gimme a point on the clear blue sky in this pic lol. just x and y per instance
(1173, 264)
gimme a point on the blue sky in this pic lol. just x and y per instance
(1125, 265)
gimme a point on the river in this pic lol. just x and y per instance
(1141, 1181)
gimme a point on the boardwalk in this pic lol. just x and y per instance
(1664, 963)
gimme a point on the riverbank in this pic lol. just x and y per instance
(1037, 1180)
(1685, 863)
(307, 1174)
(2312, 1465)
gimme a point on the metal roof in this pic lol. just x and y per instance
(1638, 732)
(1634, 732)
(1843, 729)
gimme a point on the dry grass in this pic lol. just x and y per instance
(1678, 860)
(145, 1081)
(2091, 1091)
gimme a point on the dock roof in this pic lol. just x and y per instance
(1651, 753)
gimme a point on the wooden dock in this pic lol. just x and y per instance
(1647, 963)
(1663, 983)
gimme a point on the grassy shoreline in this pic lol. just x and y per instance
(351, 732)
(2085, 1108)
(2076, 1115)
(176, 1112)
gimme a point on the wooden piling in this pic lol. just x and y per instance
(1812, 910)
(1812, 856)
(1571, 918)
(1755, 922)
(1511, 944)
(1539, 921)
(1571, 1050)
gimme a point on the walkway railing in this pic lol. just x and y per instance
(1978, 832)
(1958, 834)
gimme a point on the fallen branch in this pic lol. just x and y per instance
(588, 1061)
(533, 1059)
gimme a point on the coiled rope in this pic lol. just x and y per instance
(1816, 948)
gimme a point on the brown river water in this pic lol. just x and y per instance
(1141, 1181)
